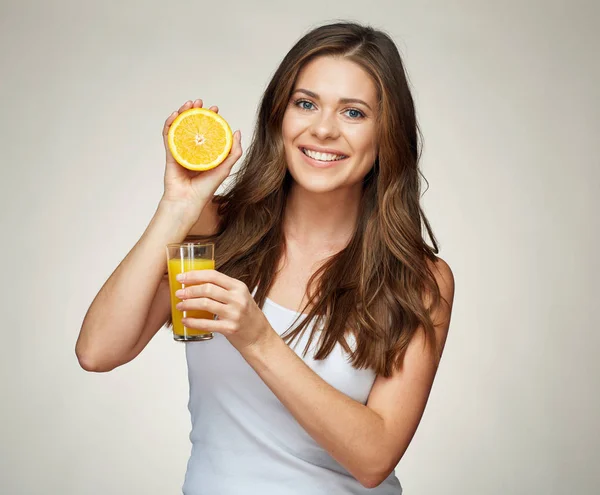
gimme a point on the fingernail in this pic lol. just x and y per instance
(180, 277)
(179, 293)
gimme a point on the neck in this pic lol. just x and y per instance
(321, 221)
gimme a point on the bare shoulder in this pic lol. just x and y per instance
(208, 221)
(443, 275)
(444, 278)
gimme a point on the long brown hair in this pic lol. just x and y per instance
(374, 288)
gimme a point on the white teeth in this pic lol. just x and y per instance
(323, 157)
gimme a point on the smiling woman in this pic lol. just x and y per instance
(332, 310)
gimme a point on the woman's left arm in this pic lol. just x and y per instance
(368, 440)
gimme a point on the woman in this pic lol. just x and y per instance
(331, 310)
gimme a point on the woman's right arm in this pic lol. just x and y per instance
(134, 303)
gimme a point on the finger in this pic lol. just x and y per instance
(185, 106)
(236, 149)
(208, 289)
(197, 104)
(214, 108)
(168, 123)
(194, 277)
(204, 304)
(206, 324)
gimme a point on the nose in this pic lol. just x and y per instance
(325, 126)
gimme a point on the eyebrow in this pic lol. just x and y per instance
(342, 100)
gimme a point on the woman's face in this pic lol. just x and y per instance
(321, 118)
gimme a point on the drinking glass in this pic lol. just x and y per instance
(184, 257)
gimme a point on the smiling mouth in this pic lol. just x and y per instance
(323, 157)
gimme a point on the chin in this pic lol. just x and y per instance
(313, 184)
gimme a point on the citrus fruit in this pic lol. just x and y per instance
(200, 139)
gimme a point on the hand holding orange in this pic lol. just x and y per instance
(194, 173)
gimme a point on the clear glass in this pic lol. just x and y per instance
(184, 257)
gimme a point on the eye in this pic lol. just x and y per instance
(300, 104)
(357, 114)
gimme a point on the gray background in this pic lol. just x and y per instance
(507, 98)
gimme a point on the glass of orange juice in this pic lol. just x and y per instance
(184, 257)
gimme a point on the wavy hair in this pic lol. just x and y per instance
(373, 289)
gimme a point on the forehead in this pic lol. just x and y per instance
(336, 77)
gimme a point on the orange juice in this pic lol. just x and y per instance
(176, 266)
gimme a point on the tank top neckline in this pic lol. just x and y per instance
(283, 308)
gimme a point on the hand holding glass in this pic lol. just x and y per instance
(185, 257)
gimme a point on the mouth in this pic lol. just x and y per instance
(322, 160)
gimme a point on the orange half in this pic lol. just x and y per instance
(200, 139)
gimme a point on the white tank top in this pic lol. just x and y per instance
(245, 441)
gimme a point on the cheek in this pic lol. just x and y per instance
(365, 149)
(285, 123)
(364, 144)
(288, 137)
(288, 126)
